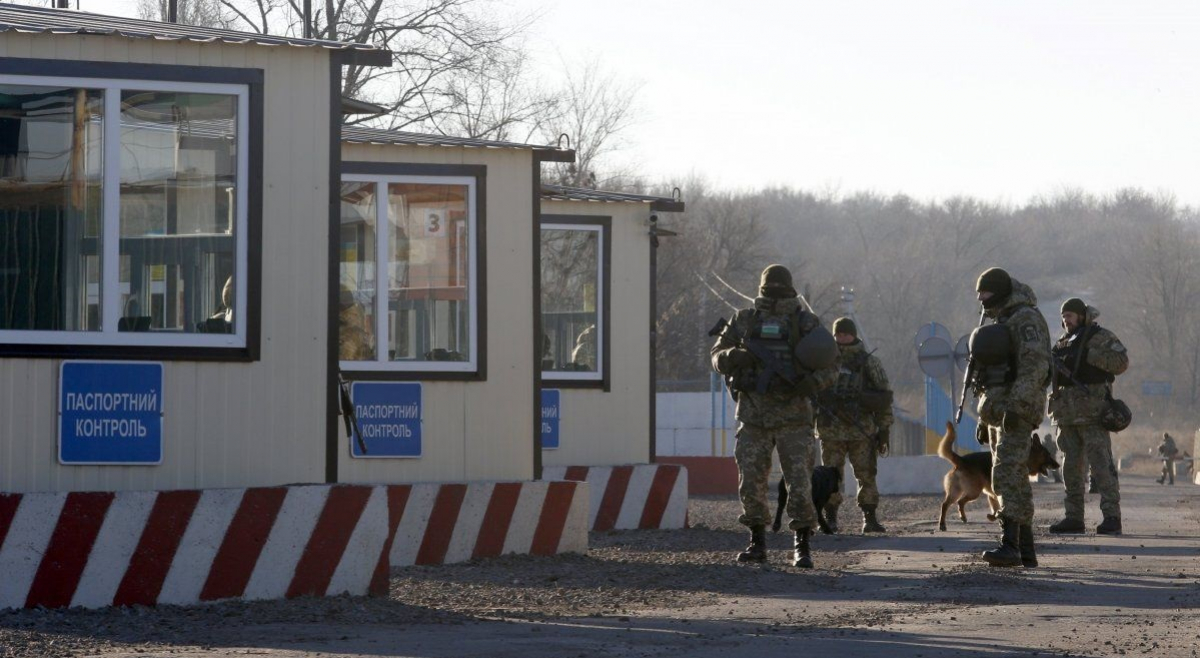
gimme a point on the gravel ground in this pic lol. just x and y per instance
(623, 573)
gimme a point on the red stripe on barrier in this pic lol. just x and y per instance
(659, 496)
(397, 497)
(160, 539)
(343, 508)
(8, 511)
(244, 541)
(576, 473)
(614, 497)
(497, 519)
(442, 520)
(67, 553)
(553, 518)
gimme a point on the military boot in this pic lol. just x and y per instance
(1028, 555)
(870, 524)
(1068, 526)
(1008, 553)
(757, 550)
(803, 557)
(1111, 525)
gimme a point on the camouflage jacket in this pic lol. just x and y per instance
(1025, 394)
(841, 419)
(1076, 404)
(775, 408)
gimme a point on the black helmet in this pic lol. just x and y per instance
(990, 345)
(1116, 416)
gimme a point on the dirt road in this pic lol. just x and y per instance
(913, 592)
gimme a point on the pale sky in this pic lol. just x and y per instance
(1000, 100)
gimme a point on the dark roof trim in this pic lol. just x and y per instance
(564, 193)
(355, 106)
(360, 135)
(42, 20)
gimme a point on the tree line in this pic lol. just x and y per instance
(1132, 254)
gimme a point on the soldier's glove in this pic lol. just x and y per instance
(806, 386)
(981, 434)
(739, 359)
(883, 442)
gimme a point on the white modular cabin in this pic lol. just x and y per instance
(597, 309)
(451, 224)
(165, 203)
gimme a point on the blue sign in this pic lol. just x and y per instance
(389, 419)
(110, 413)
(551, 415)
(1156, 389)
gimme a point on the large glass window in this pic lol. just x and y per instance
(572, 301)
(417, 234)
(51, 165)
(121, 212)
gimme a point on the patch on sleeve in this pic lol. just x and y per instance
(1029, 334)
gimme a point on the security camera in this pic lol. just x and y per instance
(653, 220)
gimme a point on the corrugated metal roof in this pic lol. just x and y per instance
(360, 135)
(564, 193)
(21, 18)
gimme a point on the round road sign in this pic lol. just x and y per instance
(931, 330)
(934, 357)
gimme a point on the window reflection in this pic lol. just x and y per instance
(51, 165)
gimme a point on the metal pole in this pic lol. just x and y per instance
(712, 413)
(172, 11)
(308, 19)
(724, 416)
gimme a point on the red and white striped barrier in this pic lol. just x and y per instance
(95, 549)
(639, 496)
(446, 523)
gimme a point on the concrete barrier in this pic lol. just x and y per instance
(448, 523)
(97, 549)
(637, 496)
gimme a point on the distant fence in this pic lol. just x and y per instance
(702, 424)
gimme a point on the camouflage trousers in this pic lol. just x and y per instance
(1010, 470)
(864, 461)
(753, 454)
(1083, 446)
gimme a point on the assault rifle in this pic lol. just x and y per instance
(969, 375)
(349, 416)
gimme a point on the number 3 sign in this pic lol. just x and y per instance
(435, 223)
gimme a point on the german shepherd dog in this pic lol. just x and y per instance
(826, 480)
(972, 474)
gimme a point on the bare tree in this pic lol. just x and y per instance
(496, 99)
(434, 42)
(597, 108)
(204, 13)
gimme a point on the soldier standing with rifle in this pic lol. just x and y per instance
(1009, 369)
(1087, 358)
(775, 356)
(855, 421)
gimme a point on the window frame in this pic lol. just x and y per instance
(474, 177)
(602, 379)
(108, 343)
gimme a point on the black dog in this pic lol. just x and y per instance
(826, 481)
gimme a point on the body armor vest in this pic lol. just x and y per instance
(1072, 352)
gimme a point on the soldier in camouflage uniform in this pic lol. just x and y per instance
(778, 419)
(1010, 411)
(1087, 358)
(847, 429)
